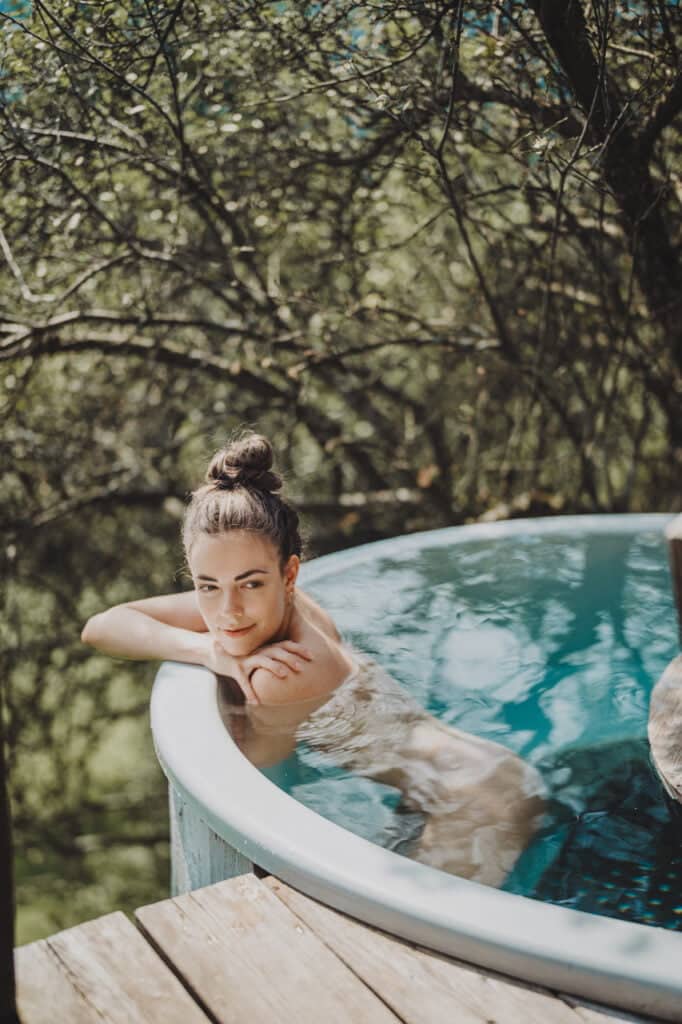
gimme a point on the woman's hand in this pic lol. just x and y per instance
(223, 664)
(218, 660)
(279, 659)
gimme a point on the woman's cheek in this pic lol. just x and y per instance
(206, 616)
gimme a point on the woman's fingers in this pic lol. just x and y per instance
(279, 659)
(295, 648)
(225, 664)
(298, 648)
(290, 661)
(243, 678)
(269, 664)
(248, 690)
(289, 653)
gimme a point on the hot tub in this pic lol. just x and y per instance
(226, 815)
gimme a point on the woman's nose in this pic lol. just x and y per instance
(232, 605)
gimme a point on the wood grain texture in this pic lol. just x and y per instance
(422, 986)
(45, 990)
(418, 984)
(665, 728)
(101, 971)
(199, 857)
(594, 1014)
(246, 957)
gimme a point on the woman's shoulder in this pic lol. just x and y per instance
(329, 666)
(321, 619)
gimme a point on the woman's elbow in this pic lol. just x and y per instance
(91, 630)
(87, 631)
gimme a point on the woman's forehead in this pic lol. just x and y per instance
(231, 553)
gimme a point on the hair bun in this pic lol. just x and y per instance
(246, 461)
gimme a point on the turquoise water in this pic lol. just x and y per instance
(549, 644)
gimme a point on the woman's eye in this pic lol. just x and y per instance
(253, 584)
(206, 588)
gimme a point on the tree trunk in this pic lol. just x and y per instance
(8, 1010)
(626, 156)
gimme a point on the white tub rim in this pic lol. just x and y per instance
(620, 963)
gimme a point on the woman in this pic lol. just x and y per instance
(246, 620)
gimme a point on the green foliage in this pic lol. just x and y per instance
(436, 258)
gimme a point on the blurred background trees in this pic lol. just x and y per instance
(432, 249)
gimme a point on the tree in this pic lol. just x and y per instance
(258, 226)
(8, 1013)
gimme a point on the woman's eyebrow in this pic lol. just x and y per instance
(242, 576)
(250, 572)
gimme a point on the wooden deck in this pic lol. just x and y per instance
(254, 950)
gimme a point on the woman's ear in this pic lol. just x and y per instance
(291, 571)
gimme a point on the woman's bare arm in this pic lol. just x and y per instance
(325, 668)
(169, 627)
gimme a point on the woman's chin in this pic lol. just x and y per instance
(239, 646)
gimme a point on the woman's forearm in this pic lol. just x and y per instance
(123, 632)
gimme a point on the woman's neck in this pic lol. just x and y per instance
(288, 623)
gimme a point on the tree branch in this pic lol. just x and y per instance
(663, 116)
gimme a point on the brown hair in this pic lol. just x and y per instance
(240, 493)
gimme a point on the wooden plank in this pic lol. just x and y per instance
(45, 991)
(245, 957)
(420, 985)
(594, 1014)
(101, 971)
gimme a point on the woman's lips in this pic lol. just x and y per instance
(237, 632)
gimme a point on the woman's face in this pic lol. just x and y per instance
(241, 589)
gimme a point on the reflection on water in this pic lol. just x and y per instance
(613, 844)
(549, 645)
